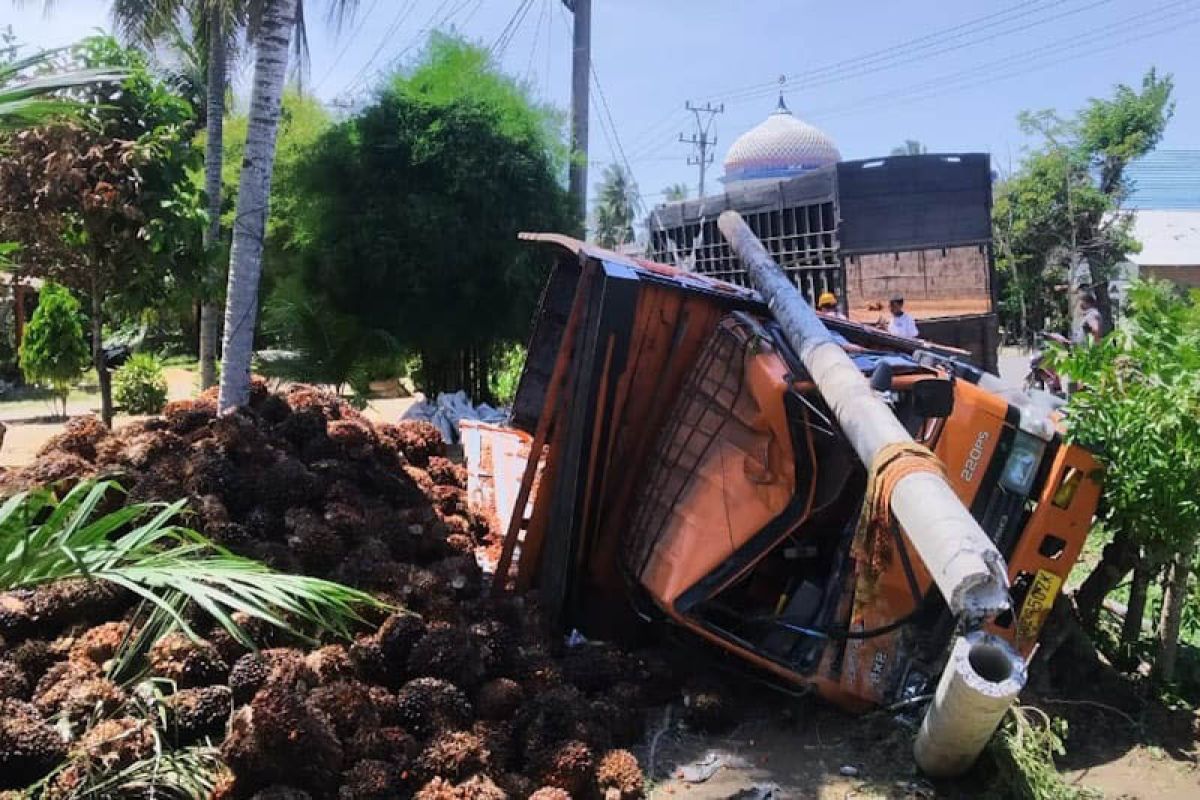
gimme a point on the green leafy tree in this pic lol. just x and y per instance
(676, 192)
(324, 345)
(1057, 220)
(911, 147)
(54, 352)
(407, 215)
(104, 202)
(614, 213)
(1140, 413)
(508, 364)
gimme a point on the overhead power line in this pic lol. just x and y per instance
(851, 72)
(402, 15)
(537, 36)
(510, 29)
(915, 49)
(651, 136)
(878, 60)
(428, 27)
(614, 140)
(345, 47)
(432, 23)
(1010, 65)
(1155, 22)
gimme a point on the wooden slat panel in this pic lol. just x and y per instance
(550, 412)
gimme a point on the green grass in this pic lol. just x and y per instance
(31, 401)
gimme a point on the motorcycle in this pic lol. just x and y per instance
(1040, 376)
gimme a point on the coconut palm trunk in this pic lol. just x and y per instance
(249, 226)
(213, 159)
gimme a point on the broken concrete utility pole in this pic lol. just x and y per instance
(980, 683)
(963, 561)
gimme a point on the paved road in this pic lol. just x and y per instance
(1014, 363)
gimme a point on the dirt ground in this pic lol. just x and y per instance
(785, 747)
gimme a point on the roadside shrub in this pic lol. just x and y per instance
(139, 385)
(53, 352)
(508, 361)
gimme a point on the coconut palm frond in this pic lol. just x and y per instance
(142, 21)
(137, 547)
(29, 100)
(324, 345)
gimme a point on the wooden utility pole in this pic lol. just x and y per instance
(700, 140)
(581, 67)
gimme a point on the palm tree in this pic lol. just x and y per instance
(615, 197)
(215, 26)
(676, 192)
(269, 24)
(27, 101)
(254, 192)
(276, 20)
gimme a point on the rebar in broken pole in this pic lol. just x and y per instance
(965, 564)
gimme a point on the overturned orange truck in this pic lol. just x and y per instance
(692, 474)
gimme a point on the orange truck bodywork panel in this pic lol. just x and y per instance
(624, 525)
(742, 483)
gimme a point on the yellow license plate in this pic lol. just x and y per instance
(1038, 602)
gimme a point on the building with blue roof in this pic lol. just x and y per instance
(1165, 199)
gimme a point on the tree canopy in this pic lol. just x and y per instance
(676, 192)
(1063, 204)
(614, 211)
(1140, 413)
(102, 200)
(407, 214)
(53, 352)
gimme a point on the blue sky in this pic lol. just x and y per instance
(870, 73)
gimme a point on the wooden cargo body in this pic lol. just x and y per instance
(919, 226)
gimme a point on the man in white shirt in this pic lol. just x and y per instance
(902, 324)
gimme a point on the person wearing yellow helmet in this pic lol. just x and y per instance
(827, 304)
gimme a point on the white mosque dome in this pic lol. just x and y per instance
(780, 147)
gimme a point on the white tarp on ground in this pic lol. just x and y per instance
(450, 409)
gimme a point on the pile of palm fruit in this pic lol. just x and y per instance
(444, 691)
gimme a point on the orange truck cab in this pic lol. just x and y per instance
(693, 475)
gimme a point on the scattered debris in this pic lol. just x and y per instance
(450, 409)
(759, 791)
(702, 768)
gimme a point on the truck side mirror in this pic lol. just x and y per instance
(933, 398)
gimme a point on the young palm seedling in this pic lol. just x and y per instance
(138, 548)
